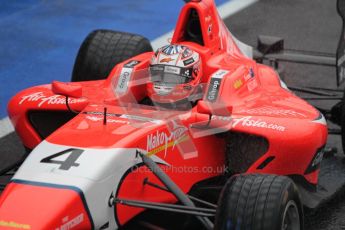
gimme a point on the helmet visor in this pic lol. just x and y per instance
(170, 74)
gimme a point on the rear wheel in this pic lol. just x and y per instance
(259, 202)
(102, 50)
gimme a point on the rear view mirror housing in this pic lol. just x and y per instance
(218, 109)
(67, 90)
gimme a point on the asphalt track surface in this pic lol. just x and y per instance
(305, 25)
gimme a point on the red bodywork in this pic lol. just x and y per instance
(250, 93)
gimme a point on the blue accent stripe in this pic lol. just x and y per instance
(40, 39)
(49, 185)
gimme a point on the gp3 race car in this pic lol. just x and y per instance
(245, 155)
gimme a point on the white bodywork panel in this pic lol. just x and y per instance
(97, 176)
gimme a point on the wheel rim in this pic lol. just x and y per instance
(291, 219)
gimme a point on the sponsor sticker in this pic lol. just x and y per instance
(12, 224)
(252, 85)
(188, 61)
(186, 53)
(162, 89)
(271, 111)
(109, 120)
(250, 75)
(131, 64)
(157, 68)
(213, 89)
(221, 118)
(69, 224)
(238, 84)
(171, 69)
(220, 74)
(125, 77)
(250, 122)
(162, 140)
(166, 60)
(42, 99)
(187, 72)
(124, 116)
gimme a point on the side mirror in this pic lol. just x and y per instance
(214, 125)
(67, 90)
(218, 109)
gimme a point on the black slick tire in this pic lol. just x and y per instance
(259, 202)
(102, 50)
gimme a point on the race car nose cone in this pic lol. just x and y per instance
(30, 205)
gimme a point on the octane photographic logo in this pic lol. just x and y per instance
(250, 122)
(161, 140)
(50, 100)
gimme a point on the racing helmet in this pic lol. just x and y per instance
(175, 73)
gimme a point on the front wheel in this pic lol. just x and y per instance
(259, 202)
(103, 49)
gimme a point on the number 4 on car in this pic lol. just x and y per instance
(70, 161)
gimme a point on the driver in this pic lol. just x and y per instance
(175, 74)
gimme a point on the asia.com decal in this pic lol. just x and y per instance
(159, 141)
(250, 122)
(50, 100)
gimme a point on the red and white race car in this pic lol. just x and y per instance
(245, 153)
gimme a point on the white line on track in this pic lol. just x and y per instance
(225, 10)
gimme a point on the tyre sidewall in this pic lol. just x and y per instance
(276, 203)
(289, 193)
